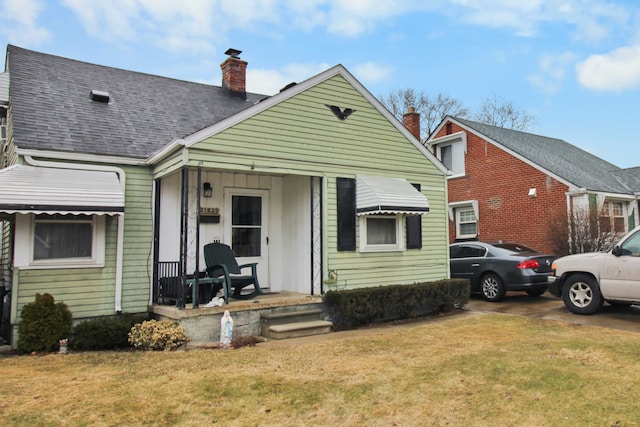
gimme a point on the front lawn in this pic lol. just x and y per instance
(468, 369)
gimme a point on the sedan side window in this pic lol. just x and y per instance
(472, 251)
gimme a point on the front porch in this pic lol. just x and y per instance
(202, 324)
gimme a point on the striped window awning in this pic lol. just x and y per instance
(30, 189)
(383, 195)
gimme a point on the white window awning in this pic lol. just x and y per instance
(383, 195)
(30, 189)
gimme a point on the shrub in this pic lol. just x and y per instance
(104, 333)
(43, 323)
(353, 308)
(157, 335)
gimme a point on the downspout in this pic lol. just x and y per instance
(569, 221)
(120, 242)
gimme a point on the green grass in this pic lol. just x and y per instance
(468, 369)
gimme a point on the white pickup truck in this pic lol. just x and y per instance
(586, 281)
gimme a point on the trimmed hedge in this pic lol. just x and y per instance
(104, 333)
(353, 308)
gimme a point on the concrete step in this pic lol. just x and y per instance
(286, 317)
(298, 329)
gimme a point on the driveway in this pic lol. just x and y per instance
(549, 307)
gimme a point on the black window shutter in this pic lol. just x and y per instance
(346, 189)
(414, 228)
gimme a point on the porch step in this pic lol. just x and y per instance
(299, 329)
(292, 324)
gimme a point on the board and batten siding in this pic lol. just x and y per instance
(90, 292)
(301, 136)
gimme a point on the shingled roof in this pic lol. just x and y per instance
(52, 108)
(580, 168)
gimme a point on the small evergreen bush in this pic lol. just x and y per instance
(43, 323)
(157, 335)
(103, 333)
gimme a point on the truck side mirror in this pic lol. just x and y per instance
(616, 251)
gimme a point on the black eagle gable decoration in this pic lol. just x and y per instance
(341, 114)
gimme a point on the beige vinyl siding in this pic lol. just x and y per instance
(90, 292)
(302, 136)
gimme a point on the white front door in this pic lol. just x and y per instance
(245, 228)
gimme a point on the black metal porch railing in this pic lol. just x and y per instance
(168, 286)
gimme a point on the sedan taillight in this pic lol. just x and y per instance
(529, 263)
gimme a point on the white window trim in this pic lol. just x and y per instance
(397, 247)
(25, 226)
(455, 139)
(625, 205)
(454, 209)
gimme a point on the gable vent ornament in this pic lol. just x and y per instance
(341, 114)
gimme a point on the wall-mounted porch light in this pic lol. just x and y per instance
(207, 190)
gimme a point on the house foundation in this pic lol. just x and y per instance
(202, 324)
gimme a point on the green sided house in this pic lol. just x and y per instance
(113, 181)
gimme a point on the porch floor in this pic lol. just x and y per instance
(261, 302)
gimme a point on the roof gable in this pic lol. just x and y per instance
(299, 89)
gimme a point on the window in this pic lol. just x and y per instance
(466, 223)
(446, 156)
(57, 237)
(612, 217)
(246, 225)
(632, 245)
(466, 251)
(450, 150)
(380, 233)
(67, 240)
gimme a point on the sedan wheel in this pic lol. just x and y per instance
(492, 288)
(581, 294)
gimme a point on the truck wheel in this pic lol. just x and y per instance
(581, 294)
(492, 288)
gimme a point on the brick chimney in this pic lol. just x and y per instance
(234, 71)
(411, 120)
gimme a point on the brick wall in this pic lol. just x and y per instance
(500, 183)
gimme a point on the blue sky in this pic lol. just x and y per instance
(573, 64)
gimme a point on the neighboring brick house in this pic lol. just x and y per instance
(513, 186)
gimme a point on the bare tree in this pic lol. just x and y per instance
(432, 109)
(583, 232)
(499, 112)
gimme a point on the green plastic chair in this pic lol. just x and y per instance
(221, 263)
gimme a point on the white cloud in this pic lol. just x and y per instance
(591, 20)
(18, 22)
(269, 82)
(107, 20)
(173, 26)
(615, 71)
(552, 71)
(354, 17)
(371, 72)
